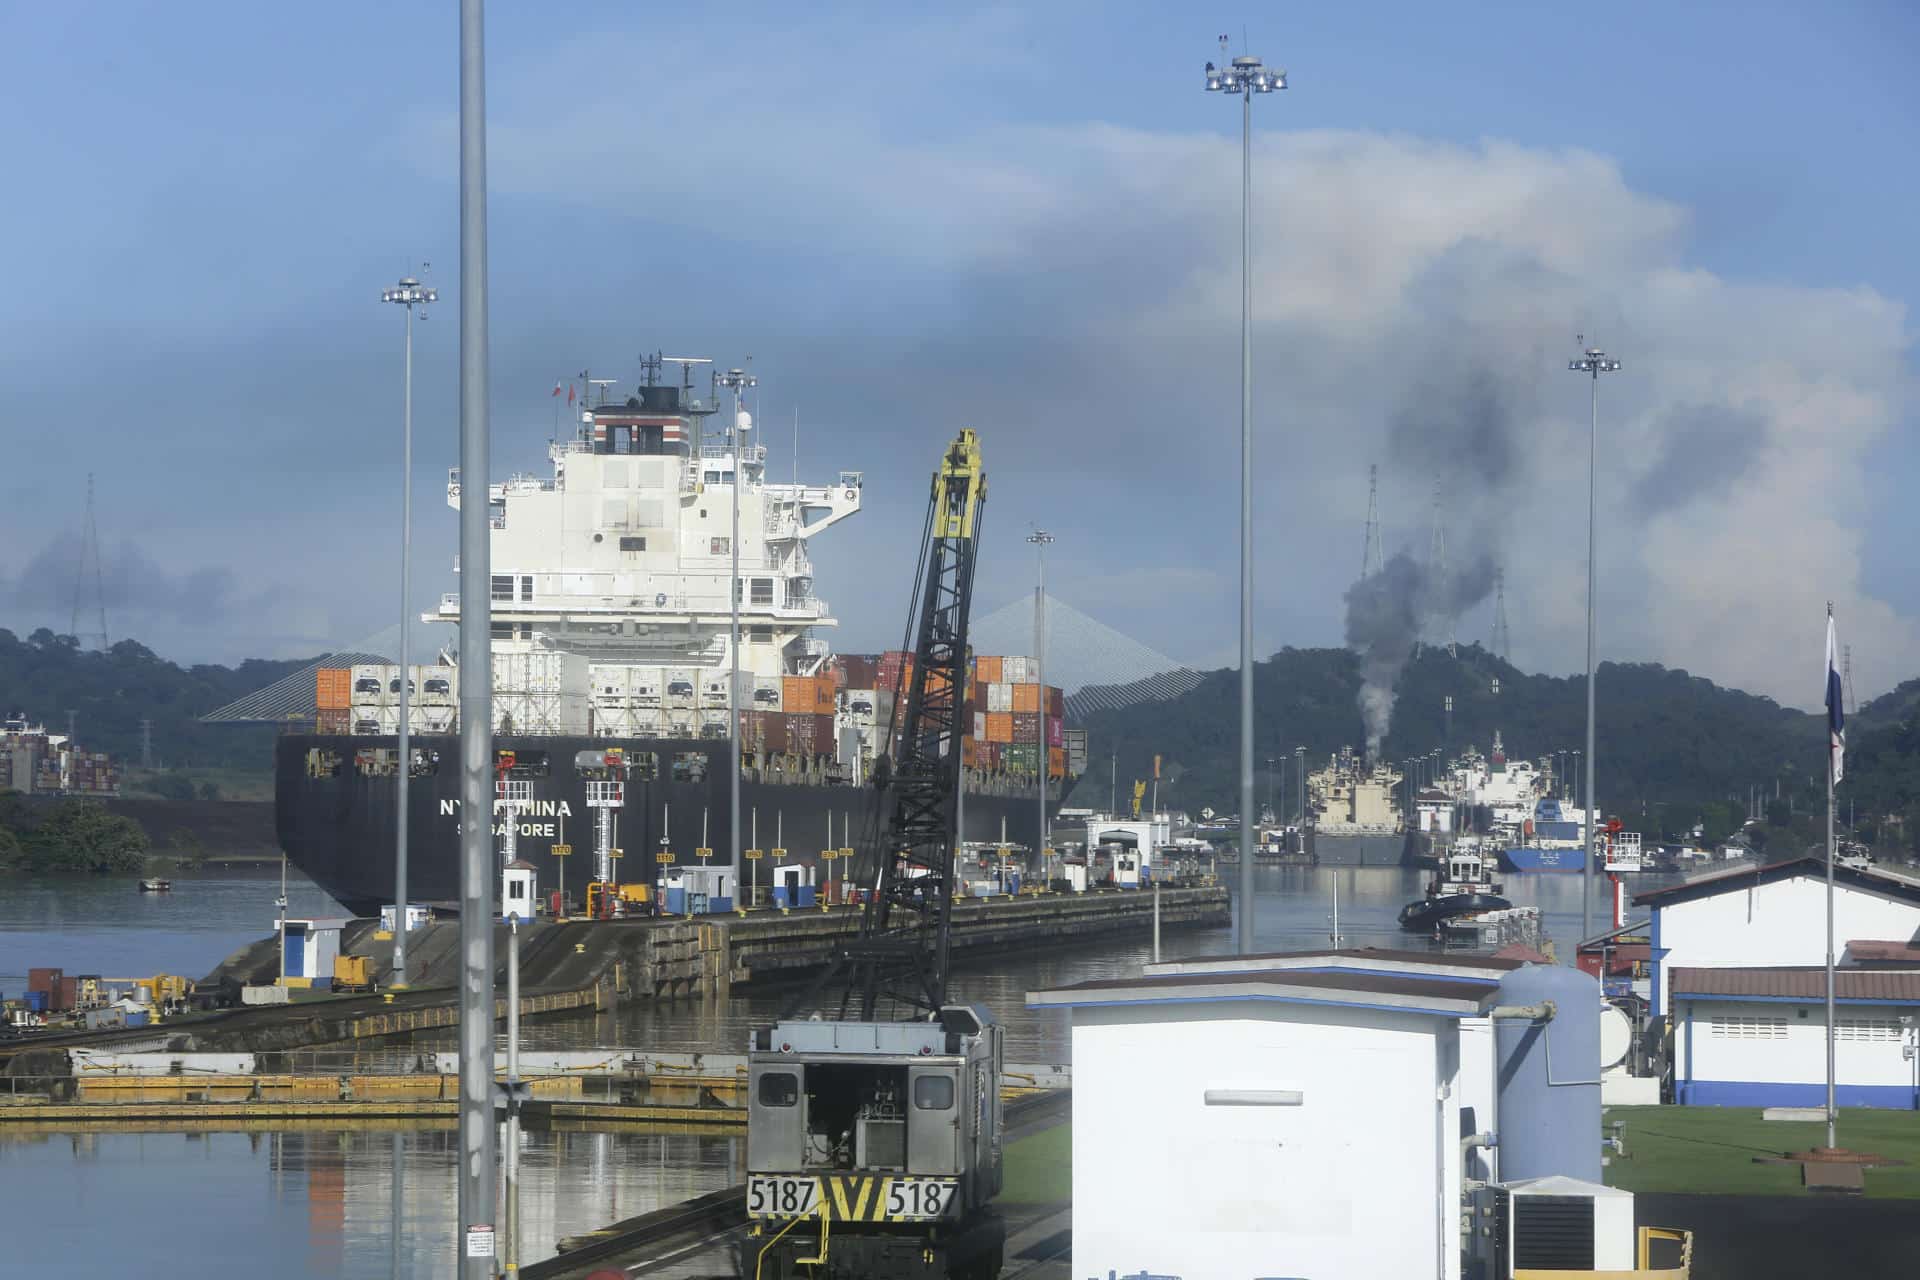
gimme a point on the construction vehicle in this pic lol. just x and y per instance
(352, 973)
(874, 1130)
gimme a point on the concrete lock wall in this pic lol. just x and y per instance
(1740, 1053)
(1776, 923)
(1360, 1180)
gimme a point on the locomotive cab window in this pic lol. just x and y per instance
(933, 1093)
(779, 1089)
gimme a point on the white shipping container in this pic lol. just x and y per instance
(766, 695)
(682, 686)
(435, 684)
(713, 688)
(649, 722)
(430, 719)
(610, 682)
(1000, 696)
(979, 726)
(369, 684)
(540, 671)
(615, 721)
(643, 686)
(1017, 671)
(863, 705)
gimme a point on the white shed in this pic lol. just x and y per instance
(1757, 1037)
(1772, 915)
(1297, 1122)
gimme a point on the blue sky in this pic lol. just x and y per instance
(1023, 221)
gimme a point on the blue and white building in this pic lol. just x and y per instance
(1757, 1037)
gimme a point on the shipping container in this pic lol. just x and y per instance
(644, 685)
(1056, 732)
(1000, 726)
(1056, 762)
(540, 671)
(436, 684)
(999, 697)
(1026, 727)
(1020, 757)
(681, 686)
(610, 682)
(64, 996)
(1026, 698)
(863, 705)
(333, 688)
(1056, 702)
(613, 721)
(862, 671)
(42, 979)
(980, 726)
(987, 669)
(1018, 670)
(767, 693)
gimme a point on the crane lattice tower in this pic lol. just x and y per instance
(89, 571)
(1437, 566)
(1501, 642)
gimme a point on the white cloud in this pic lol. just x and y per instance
(1392, 272)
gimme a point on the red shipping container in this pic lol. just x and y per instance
(65, 995)
(1056, 702)
(861, 670)
(1056, 732)
(774, 733)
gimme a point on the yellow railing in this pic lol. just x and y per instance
(1644, 1268)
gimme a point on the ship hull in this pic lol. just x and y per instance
(1534, 858)
(339, 826)
(1429, 914)
(1342, 850)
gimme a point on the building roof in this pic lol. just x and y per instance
(1740, 878)
(1476, 968)
(1873, 951)
(1799, 982)
(1404, 993)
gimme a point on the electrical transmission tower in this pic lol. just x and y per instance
(146, 744)
(89, 552)
(1846, 678)
(1501, 641)
(1437, 564)
(1371, 559)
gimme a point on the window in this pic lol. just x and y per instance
(712, 477)
(1882, 1029)
(526, 586)
(779, 1089)
(762, 590)
(760, 635)
(633, 544)
(722, 546)
(500, 630)
(502, 585)
(1745, 1027)
(933, 1093)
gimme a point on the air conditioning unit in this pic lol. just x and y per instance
(1548, 1224)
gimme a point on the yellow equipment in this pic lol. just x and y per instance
(1139, 794)
(352, 973)
(635, 893)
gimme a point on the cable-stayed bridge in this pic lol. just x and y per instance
(1099, 667)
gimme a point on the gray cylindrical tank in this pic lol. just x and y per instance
(1548, 1076)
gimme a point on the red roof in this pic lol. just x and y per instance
(1799, 983)
(1881, 952)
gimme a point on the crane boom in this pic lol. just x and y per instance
(901, 953)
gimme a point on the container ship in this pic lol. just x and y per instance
(36, 762)
(610, 628)
(1354, 819)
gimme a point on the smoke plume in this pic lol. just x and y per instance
(1386, 614)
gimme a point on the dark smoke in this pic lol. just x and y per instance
(1386, 614)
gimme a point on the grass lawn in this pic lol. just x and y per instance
(1039, 1169)
(1711, 1150)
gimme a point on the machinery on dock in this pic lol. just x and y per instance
(873, 1138)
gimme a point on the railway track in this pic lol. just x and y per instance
(711, 1223)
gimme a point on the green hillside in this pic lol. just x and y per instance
(1674, 748)
(110, 693)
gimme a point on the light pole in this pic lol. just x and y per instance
(409, 293)
(737, 380)
(1040, 539)
(1593, 362)
(1245, 77)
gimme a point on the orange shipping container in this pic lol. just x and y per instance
(1026, 697)
(807, 695)
(988, 669)
(1057, 761)
(332, 688)
(999, 726)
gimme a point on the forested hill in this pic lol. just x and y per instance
(111, 692)
(1666, 739)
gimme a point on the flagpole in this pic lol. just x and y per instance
(1832, 1111)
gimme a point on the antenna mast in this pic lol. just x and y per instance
(1437, 563)
(89, 551)
(1501, 642)
(1371, 559)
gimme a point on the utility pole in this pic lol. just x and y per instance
(408, 293)
(89, 554)
(1244, 77)
(737, 380)
(476, 1203)
(1593, 362)
(1041, 540)
(146, 744)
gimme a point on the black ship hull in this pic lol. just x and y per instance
(1428, 914)
(337, 820)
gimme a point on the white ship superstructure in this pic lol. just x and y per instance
(610, 578)
(1356, 818)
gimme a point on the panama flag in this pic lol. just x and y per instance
(556, 388)
(1836, 711)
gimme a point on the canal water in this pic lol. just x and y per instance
(317, 1202)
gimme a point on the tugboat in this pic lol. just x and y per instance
(1466, 887)
(156, 886)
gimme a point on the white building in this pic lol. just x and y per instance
(1771, 915)
(1292, 1121)
(1757, 1037)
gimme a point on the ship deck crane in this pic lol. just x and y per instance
(873, 1139)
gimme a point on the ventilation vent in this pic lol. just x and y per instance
(1552, 1233)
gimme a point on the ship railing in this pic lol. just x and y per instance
(520, 482)
(753, 454)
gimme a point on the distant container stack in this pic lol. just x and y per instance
(41, 763)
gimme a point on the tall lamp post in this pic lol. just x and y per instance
(1245, 77)
(1040, 539)
(1593, 362)
(737, 380)
(409, 293)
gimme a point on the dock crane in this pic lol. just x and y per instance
(873, 1138)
